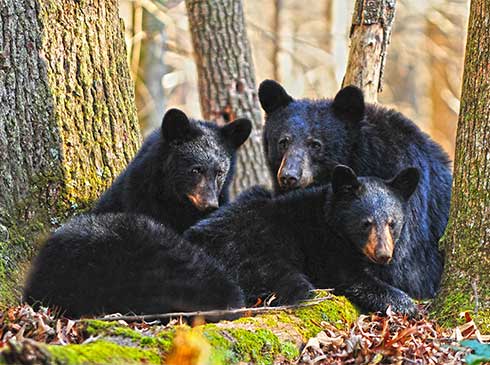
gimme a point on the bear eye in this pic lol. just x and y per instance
(392, 224)
(316, 145)
(367, 223)
(197, 170)
(284, 142)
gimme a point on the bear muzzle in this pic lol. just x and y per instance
(204, 203)
(379, 246)
(295, 171)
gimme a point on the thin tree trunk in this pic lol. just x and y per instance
(369, 38)
(466, 280)
(329, 45)
(276, 31)
(67, 118)
(226, 78)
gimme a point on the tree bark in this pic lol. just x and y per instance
(226, 79)
(67, 118)
(369, 37)
(466, 280)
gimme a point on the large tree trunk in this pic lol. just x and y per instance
(67, 118)
(466, 279)
(369, 36)
(226, 78)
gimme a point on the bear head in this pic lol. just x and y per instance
(305, 139)
(199, 157)
(370, 212)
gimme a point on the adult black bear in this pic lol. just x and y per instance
(337, 236)
(123, 262)
(305, 139)
(180, 173)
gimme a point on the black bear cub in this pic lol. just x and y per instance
(180, 173)
(337, 236)
(125, 263)
(305, 139)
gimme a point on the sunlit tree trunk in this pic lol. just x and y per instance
(369, 38)
(276, 30)
(226, 76)
(466, 279)
(444, 31)
(67, 119)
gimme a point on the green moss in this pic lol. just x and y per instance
(101, 352)
(289, 350)
(222, 351)
(96, 328)
(337, 311)
(259, 346)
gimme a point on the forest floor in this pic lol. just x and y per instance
(369, 339)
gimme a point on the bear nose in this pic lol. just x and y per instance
(289, 181)
(383, 257)
(210, 204)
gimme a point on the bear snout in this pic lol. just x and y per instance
(295, 170)
(379, 245)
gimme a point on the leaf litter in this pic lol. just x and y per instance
(372, 339)
(388, 339)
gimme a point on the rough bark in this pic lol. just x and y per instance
(67, 118)
(369, 38)
(226, 78)
(466, 279)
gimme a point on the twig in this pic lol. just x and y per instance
(152, 317)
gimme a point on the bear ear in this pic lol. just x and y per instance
(272, 96)
(405, 182)
(237, 132)
(175, 125)
(344, 179)
(349, 104)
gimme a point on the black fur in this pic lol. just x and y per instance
(184, 158)
(124, 263)
(305, 139)
(312, 238)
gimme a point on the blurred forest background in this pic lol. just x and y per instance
(304, 45)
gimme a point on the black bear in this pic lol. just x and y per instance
(123, 262)
(336, 236)
(305, 139)
(180, 173)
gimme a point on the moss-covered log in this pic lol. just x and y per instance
(67, 118)
(466, 279)
(263, 339)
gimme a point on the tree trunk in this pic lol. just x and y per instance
(226, 79)
(67, 118)
(466, 280)
(369, 37)
(445, 43)
(276, 31)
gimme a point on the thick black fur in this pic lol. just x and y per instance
(185, 157)
(305, 139)
(312, 238)
(126, 263)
